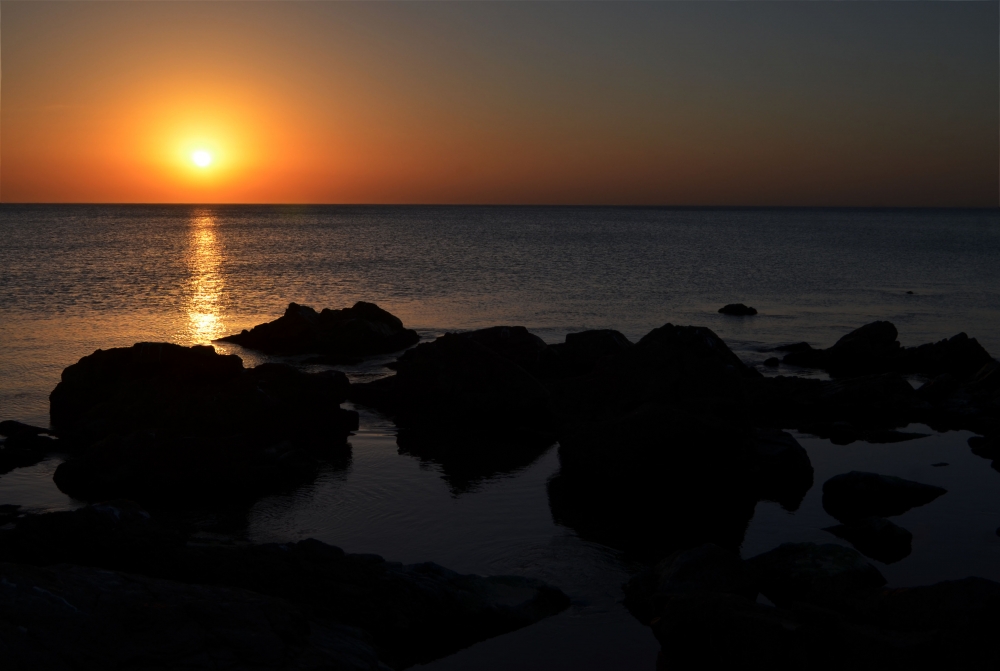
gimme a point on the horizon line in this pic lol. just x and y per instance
(513, 205)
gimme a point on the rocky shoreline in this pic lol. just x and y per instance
(665, 447)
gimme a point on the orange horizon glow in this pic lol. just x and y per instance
(414, 103)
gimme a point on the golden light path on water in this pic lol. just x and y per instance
(205, 255)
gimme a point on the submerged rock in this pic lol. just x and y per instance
(857, 495)
(737, 310)
(160, 420)
(876, 537)
(340, 335)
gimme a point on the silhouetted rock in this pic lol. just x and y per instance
(959, 356)
(70, 617)
(413, 613)
(707, 568)
(737, 310)
(514, 343)
(772, 362)
(341, 335)
(856, 495)
(581, 352)
(455, 385)
(831, 613)
(656, 480)
(158, 419)
(987, 448)
(780, 467)
(873, 348)
(684, 366)
(876, 537)
(825, 575)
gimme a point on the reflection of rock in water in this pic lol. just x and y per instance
(466, 460)
(655, 481)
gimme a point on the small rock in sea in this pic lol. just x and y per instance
(856, 495)
(738, 310)
(876, 537)
(940, 464)
(772, 362)
(909, 292)
(998, 531)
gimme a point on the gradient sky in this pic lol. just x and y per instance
(701, 103)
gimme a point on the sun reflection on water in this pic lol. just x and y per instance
(206, 283)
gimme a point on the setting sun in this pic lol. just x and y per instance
(201, 158)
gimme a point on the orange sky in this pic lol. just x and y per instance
(674, 103)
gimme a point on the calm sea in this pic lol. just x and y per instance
(77, 278)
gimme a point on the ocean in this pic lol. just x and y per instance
(76, 278)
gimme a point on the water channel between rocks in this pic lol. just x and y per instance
(396, 506)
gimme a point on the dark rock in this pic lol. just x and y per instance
(738, 310)
(707, 568)
(856, 495)
(987, 448)
(685, 366)
(959, 356)
(514, 343)
(892, 436)
(970, 605)
(581, 352)
(773, 362)
(873, 348)
(781, 468)
(70, 617)
(414, 613)
(825, 575)
(659, 479)
(341, 335)
(939, 388)
(25, 445)
(457, 385)
(876, 537)
(940, 464)
(159, 419)
(794, 347)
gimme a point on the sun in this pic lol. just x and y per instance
(201, 158)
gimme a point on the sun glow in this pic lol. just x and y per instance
(201, 158)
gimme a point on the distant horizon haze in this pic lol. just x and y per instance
(679, 104)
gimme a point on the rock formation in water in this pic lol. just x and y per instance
(340, 336)
(857, 495)
(161, 421)
(165, 599)
(873, 348)
(737, 310)
(828, 609)
(24, 445)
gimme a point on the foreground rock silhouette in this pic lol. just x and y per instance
(831, 611)
(295, 605)
(157, 420)
(340, 336)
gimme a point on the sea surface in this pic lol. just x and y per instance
(77, 278)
